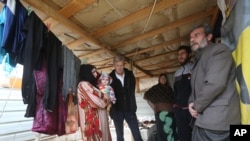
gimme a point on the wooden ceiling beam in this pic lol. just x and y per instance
(138, 74)
(165, 70)
(51, 22)
(52, 4)
(40, 5)
(109, 60)
(56, 7)
(127, 20)
(166, 64)
(107, 66)
(135, 17)
(155, 57)
(91, 54)
(107, 70)
(137, 66)
(111, 67)
(169, 26)
(158, 46)
(77, 42)
(75, 6)
(141, 75)
(163, 64)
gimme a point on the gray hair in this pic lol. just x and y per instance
(118, 58)
(207, 28)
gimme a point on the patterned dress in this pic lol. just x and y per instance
(93, 115)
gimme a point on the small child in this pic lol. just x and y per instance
(104, 86)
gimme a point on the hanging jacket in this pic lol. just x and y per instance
(182, 85)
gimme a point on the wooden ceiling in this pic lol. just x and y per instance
(146, 32)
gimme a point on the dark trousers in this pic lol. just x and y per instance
(183, 119)
(132, 122)
(201, 134)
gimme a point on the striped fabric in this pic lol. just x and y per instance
(159, 93)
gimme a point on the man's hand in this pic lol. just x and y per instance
(192, 111)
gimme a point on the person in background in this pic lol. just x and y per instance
(160, 97)
(214, 101)
(92, 105)
(104, 86)
(125, 107)
(182, 91)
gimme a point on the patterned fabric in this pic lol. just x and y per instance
(108, 90)
(93, 115)
(159, 93)
(71, 125)
(166, 128)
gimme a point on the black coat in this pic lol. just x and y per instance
(125, 95)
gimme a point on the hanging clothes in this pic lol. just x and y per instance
(54, 57)
(9, 30)
(47, 122)
(38, 42)
(27, 41)
(71, 69)
(13, 37)
(72, 125)
(34, 44)
(2, 21)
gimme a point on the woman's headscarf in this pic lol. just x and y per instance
(86, 74)
(165, 75)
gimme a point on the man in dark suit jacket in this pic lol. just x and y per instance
(125, 107)
(214, 101)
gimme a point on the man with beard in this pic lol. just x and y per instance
(182, 91)
(214, 101)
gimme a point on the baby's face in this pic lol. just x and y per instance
(105, 81)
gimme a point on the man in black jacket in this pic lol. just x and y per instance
(125, 107)
(182, 91)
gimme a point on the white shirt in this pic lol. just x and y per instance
(121, 78)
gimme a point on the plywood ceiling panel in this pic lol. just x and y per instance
(146, 32)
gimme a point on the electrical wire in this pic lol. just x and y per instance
(8, 97)
(144, 29)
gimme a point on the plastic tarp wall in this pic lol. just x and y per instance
(235, 32)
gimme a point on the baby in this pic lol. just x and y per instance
(104, 86)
